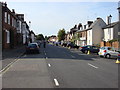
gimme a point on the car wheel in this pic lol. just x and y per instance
(86, 51)
(108, 56)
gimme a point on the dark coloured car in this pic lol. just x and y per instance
(56, 43)
(39, 43)
(92, 49)
(32, 48)
(72, 45)
(64, 44)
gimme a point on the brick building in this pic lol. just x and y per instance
(15, 31)
(9, 31)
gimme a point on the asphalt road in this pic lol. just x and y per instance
(58, 67)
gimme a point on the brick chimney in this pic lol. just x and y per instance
(13, 10)
(108, 20)
(89, 23)
(5, 4)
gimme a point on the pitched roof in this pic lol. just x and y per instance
(92, 25)
(111, 25)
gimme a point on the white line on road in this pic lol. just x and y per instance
(49, 65)
(92, 65)
(56, 82)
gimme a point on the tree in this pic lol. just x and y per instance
(40, 37)
(61, 34)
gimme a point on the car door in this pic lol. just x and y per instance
(94, 49)
(113, 52)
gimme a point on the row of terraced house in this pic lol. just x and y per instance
(15, 30)
(99, 33)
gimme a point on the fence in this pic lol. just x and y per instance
(112, 44)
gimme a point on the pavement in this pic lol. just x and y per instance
(9, 55)
(58, 67)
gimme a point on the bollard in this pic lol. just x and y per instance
(88, 52)
(118, 59)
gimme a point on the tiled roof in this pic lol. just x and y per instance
(93, 24)
(111, 25)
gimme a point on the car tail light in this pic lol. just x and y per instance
(104, 51)
(118, 54)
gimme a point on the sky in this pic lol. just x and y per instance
(48, 18)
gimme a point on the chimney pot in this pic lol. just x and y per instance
(5, 4)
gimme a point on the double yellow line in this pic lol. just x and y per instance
(4, 70)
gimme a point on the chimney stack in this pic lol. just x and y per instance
(13, 10)
(5, 4)
(89, 23)
(108, 20)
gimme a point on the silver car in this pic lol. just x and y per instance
(108, 52)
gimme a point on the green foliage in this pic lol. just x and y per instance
(61, 34)
(113, 40)
(75, 37)
(40, 37)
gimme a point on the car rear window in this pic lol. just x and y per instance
(84, 47)
(111, 49)
(32, 45)
(102, 48)
(94, 47)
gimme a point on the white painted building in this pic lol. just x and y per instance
(110, 31)
(25, 32)
(32, 36)
(95, 32)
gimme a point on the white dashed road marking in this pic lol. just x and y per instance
(56, 82)
(49, 65)
(92, 65)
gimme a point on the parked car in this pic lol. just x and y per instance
(56, 43)
(108, 52)
(72, 45)
(64, 44)
(92, 49)
(32, 48)
(119, 56)
(39, 43)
